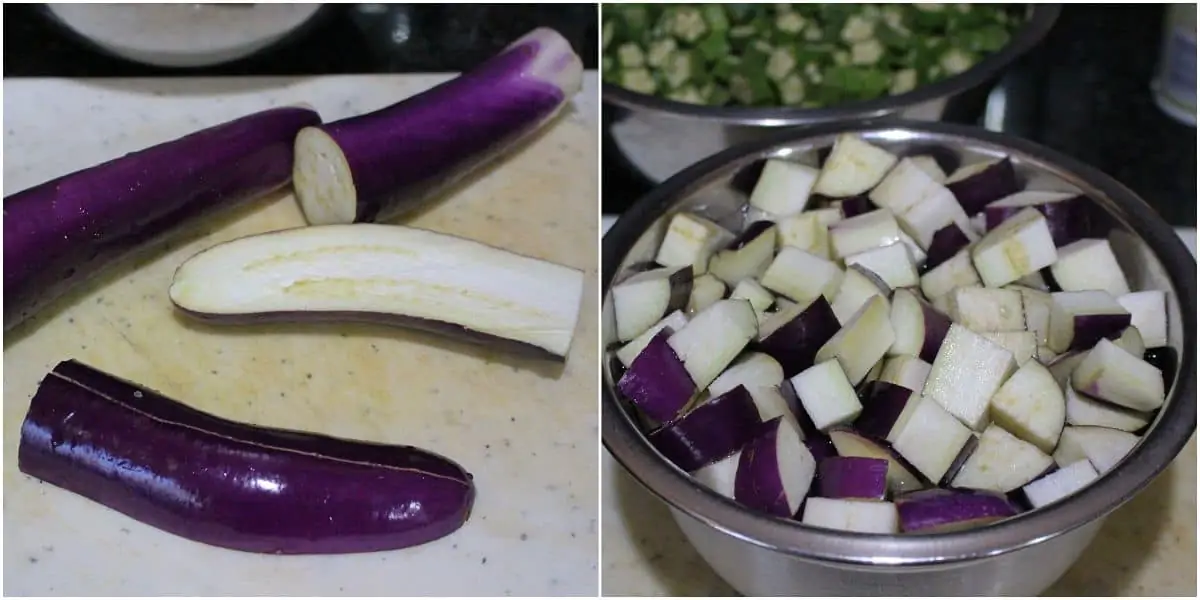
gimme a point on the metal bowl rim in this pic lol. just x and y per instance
(1172, 431)
(1041, 19)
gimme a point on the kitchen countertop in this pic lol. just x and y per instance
(1146, 548)
(1085, 91)
(525, 429)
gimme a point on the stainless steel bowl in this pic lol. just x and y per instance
(766, 556)
(659, 137)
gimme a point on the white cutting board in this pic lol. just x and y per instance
(526, 431)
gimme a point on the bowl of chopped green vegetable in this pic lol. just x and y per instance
(683, 81)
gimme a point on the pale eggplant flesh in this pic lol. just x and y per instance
(234, 485)
(390, 275)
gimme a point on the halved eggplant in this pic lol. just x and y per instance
(229, 484)
(385, 274)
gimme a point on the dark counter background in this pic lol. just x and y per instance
(1085, 91)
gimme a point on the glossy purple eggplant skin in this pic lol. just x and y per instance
(795, 344)
(59, 234)
(987, 186)
(405, 153)
(230, 484)
(710, 432)
(757, 485)
(946, 242)
(942, 509)
(853, 477)
(657, 382)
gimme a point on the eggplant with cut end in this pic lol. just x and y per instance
(775, 470)
(1036, 306)
(783, 187)
(386, 274)
(901, 477)
(1089, 264)
(1001, 463)
(1112, 374)
(1148, 312)
(1020, 246)
(644, 299)
(918, 328)
(657, 382)
(1079, 320)
(940, 510)
(1101, 446)
(978, 185)
(853, 477)
(794, 335)
(946, 242)
(709, 432)
(747, 256)
(230, 484)
(384, 164)
(60, 234)
(1061, 483)
(846, 514)
(1031, 406)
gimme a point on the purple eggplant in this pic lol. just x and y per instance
(382, 164)
(60, 234)
(710, 431)
(975, 186)
(230, 484)
(657, 381)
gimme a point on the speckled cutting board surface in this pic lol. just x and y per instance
(525, 429)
